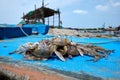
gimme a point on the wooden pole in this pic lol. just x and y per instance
(23, 16)
(53, 20)
(48, 20)
(59, 19)
(42, 12)
(42, 2)
(35, 13)
(43, 19)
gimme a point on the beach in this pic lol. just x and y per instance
(75, 33)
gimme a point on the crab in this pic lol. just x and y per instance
(43, 50)
(60, 41)
(94, 51)
(72, 50)
(99, 49)
(90, 52)
(22, 48)
(60, 45)
(77, 49)
(66, 47)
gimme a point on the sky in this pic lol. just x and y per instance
(74, 13)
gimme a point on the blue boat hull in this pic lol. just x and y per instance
(12, 32)
(40, 28)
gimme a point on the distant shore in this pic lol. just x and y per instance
(76, 33)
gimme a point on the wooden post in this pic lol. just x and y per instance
(35, 14)
(48, 20)
(42, 12)
(53, 20)
(59, 19)
(23, 16)
(42, 3)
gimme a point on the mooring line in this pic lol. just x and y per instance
(99, 42)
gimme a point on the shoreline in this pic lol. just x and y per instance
(76, 33)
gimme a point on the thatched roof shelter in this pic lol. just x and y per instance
(40, 14)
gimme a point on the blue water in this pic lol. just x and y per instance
(105, 68)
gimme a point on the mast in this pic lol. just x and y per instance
(42, 12)
(23, 15)
(35, 13)
(42, 3)
(59, 19)
(103, 25)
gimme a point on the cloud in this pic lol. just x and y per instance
(102, 7)
(108, 5)
(115, 4)
(78, 11)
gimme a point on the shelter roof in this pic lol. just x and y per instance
(39, 13)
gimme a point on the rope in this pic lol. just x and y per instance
(24, 32)
(99, 42)
(47, 37)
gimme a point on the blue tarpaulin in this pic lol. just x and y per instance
(106, 68)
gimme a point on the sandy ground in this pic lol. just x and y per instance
(68, 32)
(32, 74)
